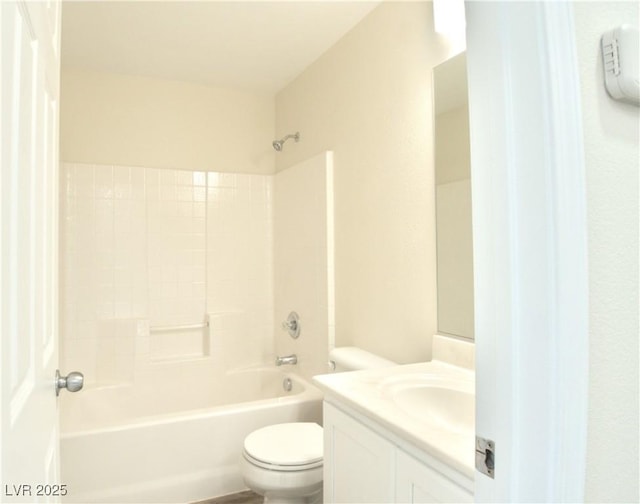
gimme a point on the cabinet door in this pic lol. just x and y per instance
(416, 482)
(358, 463)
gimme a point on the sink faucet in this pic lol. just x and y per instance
(287, 359)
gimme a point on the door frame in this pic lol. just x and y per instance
(530, 249)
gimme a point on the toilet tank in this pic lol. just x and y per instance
(353, 358)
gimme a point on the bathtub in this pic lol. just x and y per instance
(160, 441)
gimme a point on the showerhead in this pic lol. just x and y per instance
(277, 144)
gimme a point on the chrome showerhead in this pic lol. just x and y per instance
(277, 144)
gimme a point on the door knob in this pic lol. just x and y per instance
(72, 382)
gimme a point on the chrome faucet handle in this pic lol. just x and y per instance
(287, 359)
(292, 325)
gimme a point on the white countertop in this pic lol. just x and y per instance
(367, 392)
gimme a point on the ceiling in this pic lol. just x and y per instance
(259, 46)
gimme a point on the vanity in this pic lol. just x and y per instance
(400, 434)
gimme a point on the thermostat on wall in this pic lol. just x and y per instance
(621, 55)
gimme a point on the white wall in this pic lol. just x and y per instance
(139, 121)
(303, 261)
(368, 99)
(611, 135)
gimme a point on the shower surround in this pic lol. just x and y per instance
(144, 251)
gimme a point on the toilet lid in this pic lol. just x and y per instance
(287, 444)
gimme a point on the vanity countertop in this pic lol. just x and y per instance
(392, 397)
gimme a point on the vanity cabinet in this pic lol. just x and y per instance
(358, 463)
(363, 465)
(417, 482)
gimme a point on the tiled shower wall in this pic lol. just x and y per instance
(240, 268)
(143, 249)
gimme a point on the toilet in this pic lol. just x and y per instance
(283, 462)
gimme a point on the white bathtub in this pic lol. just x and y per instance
(157, 442)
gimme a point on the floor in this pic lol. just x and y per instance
(246, 497)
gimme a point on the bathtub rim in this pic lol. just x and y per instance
(309, 393)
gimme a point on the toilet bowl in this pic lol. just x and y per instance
(283, 462)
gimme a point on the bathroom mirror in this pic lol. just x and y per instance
(453, 198)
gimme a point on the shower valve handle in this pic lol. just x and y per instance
(292, 325)
(289, 324)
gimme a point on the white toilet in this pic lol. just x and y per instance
(283, 462)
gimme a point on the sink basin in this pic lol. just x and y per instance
(430, 405)
(439, 404)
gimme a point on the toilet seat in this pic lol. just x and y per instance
(285, 447)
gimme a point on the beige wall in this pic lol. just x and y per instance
(369, 100)
(611, 151)
(138, 121)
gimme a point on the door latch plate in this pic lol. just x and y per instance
(485, 456)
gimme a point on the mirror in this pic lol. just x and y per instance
(453, 198)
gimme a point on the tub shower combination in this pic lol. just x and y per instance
(169, 396)
(151, 442)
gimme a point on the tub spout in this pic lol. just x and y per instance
(287, 359)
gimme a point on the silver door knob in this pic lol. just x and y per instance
(72, 382)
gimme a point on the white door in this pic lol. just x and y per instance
(29, 85)
(530, 243)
